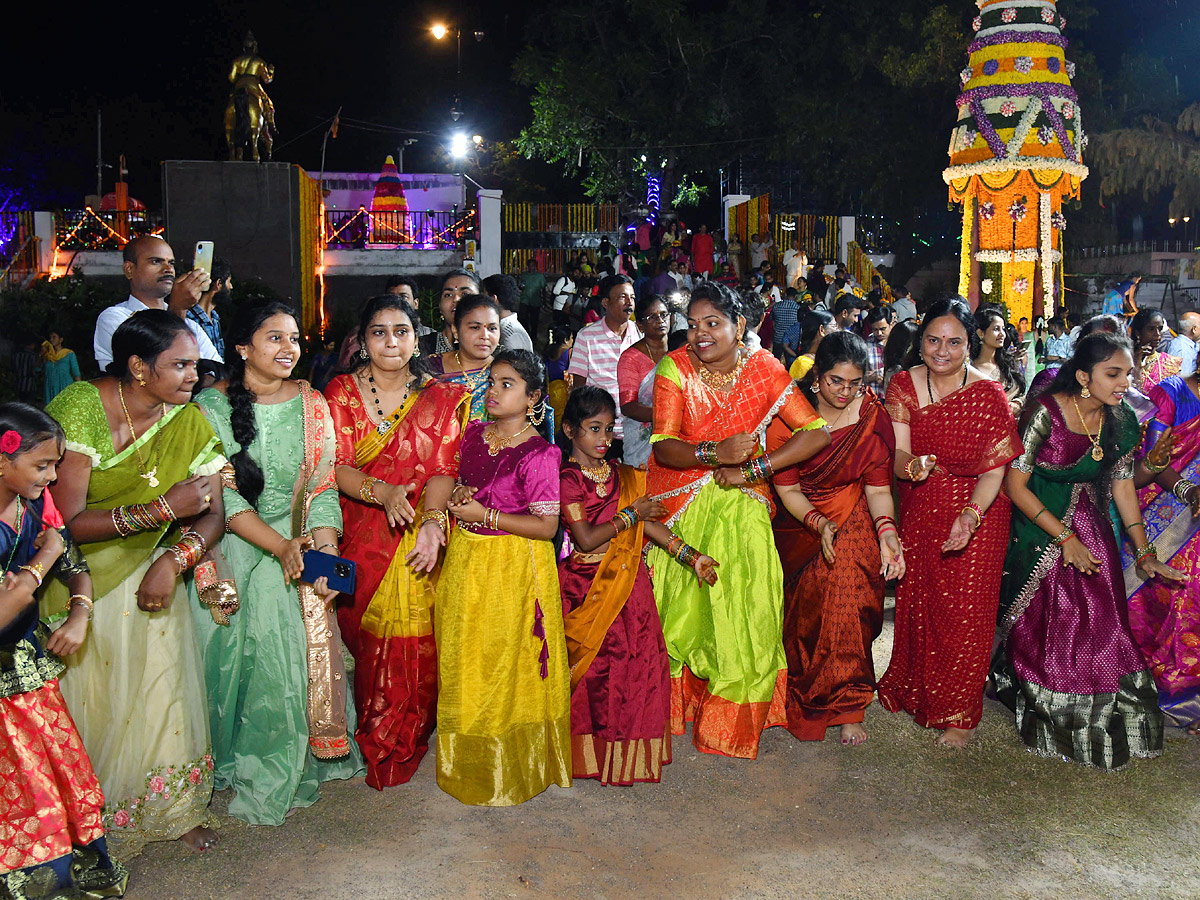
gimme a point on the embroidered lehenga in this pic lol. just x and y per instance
(136, 688)
(504, 702)
(1067, 664)
(277, 691)
(728, 669)
(620, 676)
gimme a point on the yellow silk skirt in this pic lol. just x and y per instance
(504, 689)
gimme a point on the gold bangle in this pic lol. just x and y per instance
(37, 570)
(366, 491)
(438, 517)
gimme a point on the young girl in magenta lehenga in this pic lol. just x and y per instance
(51, 833)
(504, 690)
(620, 675)
(1067, 664)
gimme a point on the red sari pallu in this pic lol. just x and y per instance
(834, 611)
(388, 623)
(946, 603)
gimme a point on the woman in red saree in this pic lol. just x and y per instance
(955, 434)
(835, 564)
(713, 402)
(397, 445)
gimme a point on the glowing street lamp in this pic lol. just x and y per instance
(439, 31)
(458, 145)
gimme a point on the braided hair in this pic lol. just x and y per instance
(246, 323)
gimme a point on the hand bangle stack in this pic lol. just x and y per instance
(884, 524)
(908, 468)
(975, 510)
(758, 469)
(438, 517)
(366, 492)
(677, 548)
(811, 520)
(706, 454)
(81, 600)
(190, 550)
(491, 519)
(1182, 488)
(1152, 468)
(1149, 551)
(142, 517)
(625, 519)
(1065, 535)
(36, 570)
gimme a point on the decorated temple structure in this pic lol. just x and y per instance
(1016, 154)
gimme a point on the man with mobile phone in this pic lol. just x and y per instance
(150, 267)
(204, 313)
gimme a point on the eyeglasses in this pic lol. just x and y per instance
(659, 317)
(841, 384)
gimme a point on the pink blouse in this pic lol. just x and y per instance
(520, 480)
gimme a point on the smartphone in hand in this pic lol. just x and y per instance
(204, 256)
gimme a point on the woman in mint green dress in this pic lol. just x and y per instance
(277, 688)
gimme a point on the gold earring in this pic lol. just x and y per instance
(1085, 393)
(540, 417)
(417, 350)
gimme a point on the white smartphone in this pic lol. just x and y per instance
(204, 256)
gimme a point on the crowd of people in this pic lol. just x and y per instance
(686, 510)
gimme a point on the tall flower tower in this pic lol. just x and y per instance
(1015, 155)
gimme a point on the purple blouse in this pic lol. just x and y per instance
(520, 480)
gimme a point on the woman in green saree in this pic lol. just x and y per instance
(277, 690)
(140, 462)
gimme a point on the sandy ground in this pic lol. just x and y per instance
(896, 818)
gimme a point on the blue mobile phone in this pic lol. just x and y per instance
(338, 570)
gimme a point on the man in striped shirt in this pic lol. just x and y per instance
(599, 346)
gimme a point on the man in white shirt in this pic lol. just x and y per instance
(903, 306)
(1184, 345)
(565, 295)
(150, 267)
(503, 289)
(599, 346)
(760, 250)
(795, 264)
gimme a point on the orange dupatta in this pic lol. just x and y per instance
(588, 624)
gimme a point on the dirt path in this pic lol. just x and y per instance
(896, 818)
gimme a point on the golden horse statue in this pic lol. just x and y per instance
(250, 114)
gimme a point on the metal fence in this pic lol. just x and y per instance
(573, 217)
(1176, 246)
(412, 229)
(102, 229)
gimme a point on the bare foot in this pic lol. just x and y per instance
(954, 737)
(1194, 728)
(200, 839)
(853, 734)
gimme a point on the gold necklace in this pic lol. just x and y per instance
(152, 475)
(474, 382)
(1097, 450)
(598, 475)
(721, 380)
(496, 443)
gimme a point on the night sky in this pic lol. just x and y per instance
(159, 76)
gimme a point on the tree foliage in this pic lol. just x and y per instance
(1152, 158)
(856, 95)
